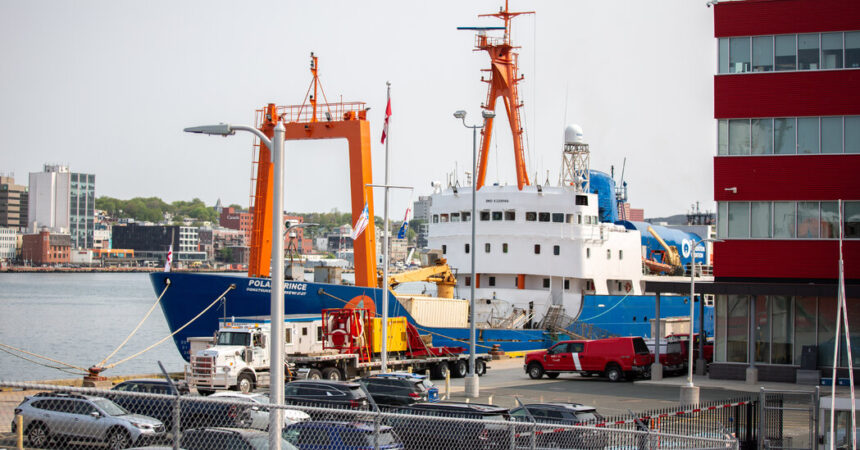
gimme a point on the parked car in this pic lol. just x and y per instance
(195, 411)
(228, 439)
(613, 357)
(562, 414)
(326, 394)
(684, 340)
(400, 388)
(256, 415)
(672, 356)
(340, 435)
(60, 417)
(483, 431)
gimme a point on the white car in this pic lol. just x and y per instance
(257, 415)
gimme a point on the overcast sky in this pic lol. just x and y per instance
(106, 87)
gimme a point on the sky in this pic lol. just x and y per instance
(106, 87)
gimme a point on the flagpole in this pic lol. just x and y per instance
(385, 239)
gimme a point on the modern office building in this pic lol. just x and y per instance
(13, 204)
(63, 202)
(787, 110)
(152, 242)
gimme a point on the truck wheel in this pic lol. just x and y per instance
(332, 373)
(440, 370)
(535, 371)
(552, 375)
(460, 369)
(614, 373)
(245, 383)
(314, 374)
(480, 367)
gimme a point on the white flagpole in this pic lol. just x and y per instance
(844, 304)
(385, 243)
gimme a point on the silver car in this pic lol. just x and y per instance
(63, 417)
(256, 416)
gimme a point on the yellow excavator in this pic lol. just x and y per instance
(671, 263)
(439, 273)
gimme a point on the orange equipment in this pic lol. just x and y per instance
(339, 121)
(504, 77)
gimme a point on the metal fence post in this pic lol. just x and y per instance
(376, 420)
(762, 417)
(533, 438)
(177, 432)
(816, 420)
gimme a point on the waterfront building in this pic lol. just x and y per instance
(8, 244)
(237, 220)
(46, 248)
(787, 110)
(421, 220)
(13, 204)
(63, 202)
(151, 242)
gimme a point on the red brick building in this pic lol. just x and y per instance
(46, 248)
(237, 220)
(787, 110)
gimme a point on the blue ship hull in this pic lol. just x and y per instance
(190, 294)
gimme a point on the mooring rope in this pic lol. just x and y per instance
(152, 308)
(229, 288)
(42, 357)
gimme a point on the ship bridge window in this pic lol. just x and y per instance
(566, 285)
(497, 215)
(537, 249)
(466, 215)
(467, 248)
(492, 282)
(556, 250)
(531, 216)
(444, 249)
(558, 217)
(608, 254)
(443, 218)
(510, 215)
(505, 247)
(568, 218)
(543, 217)
(588, 253)
(546, 283)
(435, 218)
(485, 215)
(455, 217)
(582, 200)
(487, 247)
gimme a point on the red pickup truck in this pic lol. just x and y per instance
(614, 358)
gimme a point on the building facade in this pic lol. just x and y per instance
(13, 204)
(63, 202)
(237, 220)
(46, 248)
(8, 244)
(787, 110)
(152, 242)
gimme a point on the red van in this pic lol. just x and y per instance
(613, 357)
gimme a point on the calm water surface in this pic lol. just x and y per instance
(80, 318)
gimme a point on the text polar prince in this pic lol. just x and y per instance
(266, 286)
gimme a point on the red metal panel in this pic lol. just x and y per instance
(798, 259)
(800, 177)
(756, 17)
(787, 94)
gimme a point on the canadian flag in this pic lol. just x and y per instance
(385, 127)
(360, 224)
(169, 259)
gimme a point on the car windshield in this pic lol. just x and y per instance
(588, 416)
(110, 408)
(262, 443)
(234, 338)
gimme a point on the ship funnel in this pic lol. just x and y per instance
(573, 134)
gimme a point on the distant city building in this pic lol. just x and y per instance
(151, 242)
(64, 202)
(421, 220)
(13, 204)
(237, 220)
(8, 243)
(631, 214)
(397, 248)
(46, 248)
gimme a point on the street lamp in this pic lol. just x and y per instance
(276, 146)
(690, 393)
(472, 388)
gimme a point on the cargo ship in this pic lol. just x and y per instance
(553, 261)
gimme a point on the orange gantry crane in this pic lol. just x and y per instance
(504, 78)
(314, 120)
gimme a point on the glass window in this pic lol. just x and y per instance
(497, 215)
(546, 282)
(537, 249)
(531, 216)
(739, 137)
(851, 214)
(505, 247)
(466, 215)
(762, 330)
(826, 330)
(739, 219)
(829, 220)
(807, 51)
(556, 250)
(762, 137)
(852, 49)
(720, 329)
(492, 280)
(723, 137)
(510, 215)
(831, 135)
(568, 218)
(784, 136)
(739, 57)
(782, 330)
(786, 52)
(435, 218)
(455, 217)
(724, 56)
(444, 249)
(852, 134)
(443, 218)
(608, 254)
(543, 217)
(760, 220)
(558, 217)
(737, 321)
(484, 215)
(466, 247)
(831, 50)
(723, 220)
(487, 248)
(762, 53)
(783, 219)
(807, 135)
(807, 219)
(804, 324)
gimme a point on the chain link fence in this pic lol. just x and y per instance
(47, 416)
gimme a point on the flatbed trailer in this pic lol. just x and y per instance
(350, 365)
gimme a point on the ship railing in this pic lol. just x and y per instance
(702, 270)
(325, 112)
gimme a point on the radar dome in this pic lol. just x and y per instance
(573, 135)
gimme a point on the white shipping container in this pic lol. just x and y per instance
(437, 312)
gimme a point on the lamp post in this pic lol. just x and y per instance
(276, 146)
(290, 247)
(690, 393)
(472, 389)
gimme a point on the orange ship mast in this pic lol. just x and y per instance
(504, 78)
